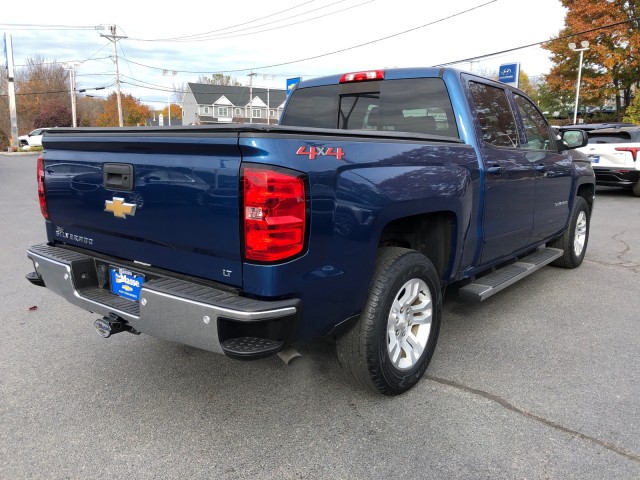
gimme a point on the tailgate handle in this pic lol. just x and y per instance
(118, 176)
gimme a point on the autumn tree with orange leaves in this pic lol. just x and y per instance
(134, 113)
(611, 66)
(176, 111)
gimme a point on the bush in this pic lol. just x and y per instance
(632, 115)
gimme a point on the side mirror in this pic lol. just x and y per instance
(570, 139)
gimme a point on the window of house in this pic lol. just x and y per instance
(223, 112)
(239, 112)
(207, 110)
(256, 113)
(272, 113)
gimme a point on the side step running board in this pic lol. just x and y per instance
(490, 284)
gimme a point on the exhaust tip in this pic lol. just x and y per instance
(288, 355)
(103, 327)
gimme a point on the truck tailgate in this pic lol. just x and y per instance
(169, 200)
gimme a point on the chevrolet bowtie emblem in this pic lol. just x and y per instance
(119, 208)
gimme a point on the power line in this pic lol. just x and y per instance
(334, 52)
(158, 87)
(480, 57)
(225, 28)
(206, 39)
(51, 92)
(226, 35)
(34, 26)
(59, 63)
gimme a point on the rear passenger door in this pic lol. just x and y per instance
(510, 177)
(553, 168)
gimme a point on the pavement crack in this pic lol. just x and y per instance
(634, 267)
(549, 423)
(627, 248)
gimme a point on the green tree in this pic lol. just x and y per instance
(556, 104)
(632, 114)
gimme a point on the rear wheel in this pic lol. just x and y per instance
(575, 238)
(636, 189)
(391, 344)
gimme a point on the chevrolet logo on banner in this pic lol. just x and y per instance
(119, 208)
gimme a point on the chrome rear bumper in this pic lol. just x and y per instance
(170, 308)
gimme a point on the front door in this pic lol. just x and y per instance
(554, 170)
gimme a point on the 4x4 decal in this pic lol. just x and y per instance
(313, 152)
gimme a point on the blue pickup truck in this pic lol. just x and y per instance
(376, 191)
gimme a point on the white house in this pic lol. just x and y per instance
(205, 104)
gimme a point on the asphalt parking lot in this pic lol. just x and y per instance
(540, 381)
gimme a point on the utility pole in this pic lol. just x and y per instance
(251, 75)
(13, 117)
(114, 38)
(71, 66)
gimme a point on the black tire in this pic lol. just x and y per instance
(365, 350)
(636, 189)
(575, 238)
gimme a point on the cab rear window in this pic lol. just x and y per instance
(418, 105)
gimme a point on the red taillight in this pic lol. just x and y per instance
(632, 150)
(41, 196)
(362, 76)
(274, 214)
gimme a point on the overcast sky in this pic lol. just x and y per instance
(276, 39)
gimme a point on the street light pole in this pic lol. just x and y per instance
(173, 73)
(585, 46)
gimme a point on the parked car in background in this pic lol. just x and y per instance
(32, 139)
(613, 150)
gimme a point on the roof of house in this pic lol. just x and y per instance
(207, 94)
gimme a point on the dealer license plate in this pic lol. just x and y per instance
(594, 158)
(125, 283)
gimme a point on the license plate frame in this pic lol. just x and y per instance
(125, 283)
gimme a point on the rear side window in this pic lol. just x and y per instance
(419, 105)
(495, 115)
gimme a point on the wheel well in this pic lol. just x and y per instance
(431, 234)
(587, 192)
